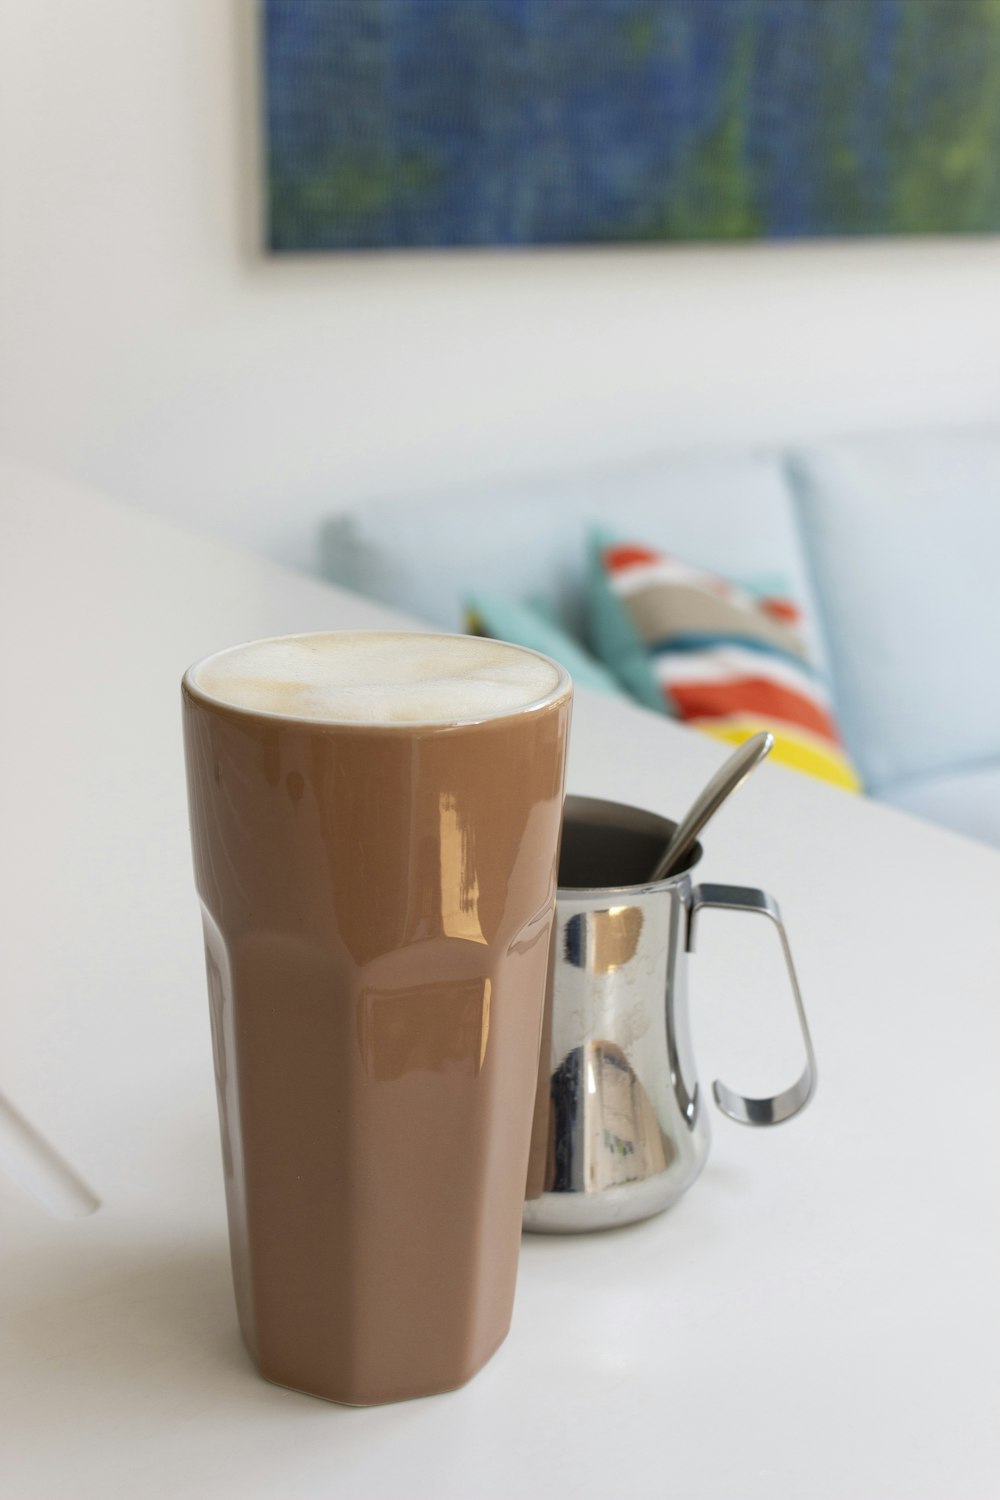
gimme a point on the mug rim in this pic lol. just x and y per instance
(560, 693)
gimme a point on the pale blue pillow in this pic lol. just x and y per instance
(904, 537)
(730, 512)
(523, 625)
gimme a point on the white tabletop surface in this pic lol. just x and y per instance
(817, 1318)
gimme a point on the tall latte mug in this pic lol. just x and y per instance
(377, 901)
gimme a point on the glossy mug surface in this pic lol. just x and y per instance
(621, 1125)
(377, 899)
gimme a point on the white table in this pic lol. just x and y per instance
(817, 1318)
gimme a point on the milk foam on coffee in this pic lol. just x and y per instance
(375, 677)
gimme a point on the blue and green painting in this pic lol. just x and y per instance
(532, 122)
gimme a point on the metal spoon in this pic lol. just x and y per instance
(725, 781)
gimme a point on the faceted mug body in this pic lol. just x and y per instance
(377, 906)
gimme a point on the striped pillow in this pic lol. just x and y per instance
(714, 655)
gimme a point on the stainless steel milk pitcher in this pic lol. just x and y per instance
(620, 1124)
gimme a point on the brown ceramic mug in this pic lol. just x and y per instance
(377, 901)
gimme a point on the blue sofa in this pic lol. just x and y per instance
(891, 544)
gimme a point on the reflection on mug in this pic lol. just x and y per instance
(605, 1128)
(429, 1028)
(603, 941)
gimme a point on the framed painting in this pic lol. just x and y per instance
(556, 122)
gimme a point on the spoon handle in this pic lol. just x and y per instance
(725, 781)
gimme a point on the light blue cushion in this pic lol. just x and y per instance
(732, 512)
(523, 625)
(965, 801)
(903, 534)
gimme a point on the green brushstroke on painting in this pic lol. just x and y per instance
(942, 167)
(944, 164)
(357, 185)
(846, 184)
(712, 193)
(640, 35)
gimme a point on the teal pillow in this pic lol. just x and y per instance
(613, 633)
(523, 625)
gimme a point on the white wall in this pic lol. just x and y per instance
(145, 344)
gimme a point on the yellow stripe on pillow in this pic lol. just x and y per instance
(792, 747)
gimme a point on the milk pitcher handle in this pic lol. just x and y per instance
(777, 1107)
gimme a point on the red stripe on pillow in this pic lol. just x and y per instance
(781, 609)
(710, 700)
(618, 558)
